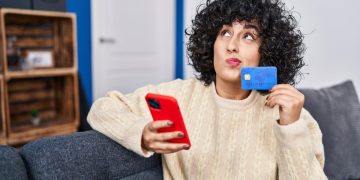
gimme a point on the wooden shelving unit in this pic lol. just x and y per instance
(2, 112)
(39, 100)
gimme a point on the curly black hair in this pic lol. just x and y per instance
(281, 41)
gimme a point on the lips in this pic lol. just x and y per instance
(233, 62)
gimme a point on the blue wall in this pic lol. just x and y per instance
(179, 40)
(82, 8)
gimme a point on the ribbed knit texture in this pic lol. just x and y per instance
(230, 139)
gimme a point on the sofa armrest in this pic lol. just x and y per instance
(11, 164)
(86, 155)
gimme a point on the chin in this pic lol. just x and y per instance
(230, 76)
(232, 79)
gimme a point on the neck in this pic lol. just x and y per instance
(230, 90)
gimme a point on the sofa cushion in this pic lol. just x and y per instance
(11, 164)
(337, 111)
(86, 155)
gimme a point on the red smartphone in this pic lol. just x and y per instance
(166, 108)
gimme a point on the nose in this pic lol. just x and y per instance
(233, 45)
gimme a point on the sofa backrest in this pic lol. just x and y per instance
(337, 111)
(86, 155)
(11, 164)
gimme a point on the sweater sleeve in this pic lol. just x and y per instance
(122, 118)
(300, 152)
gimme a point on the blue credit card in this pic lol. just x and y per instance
(258, 78)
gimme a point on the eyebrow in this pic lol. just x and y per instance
(251, 26)
(246, 26)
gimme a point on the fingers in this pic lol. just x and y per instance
(168, 136)
(166, 147)
(154, 126)
(281, 86)
(290, 101)
(285, 95)
(157, 142)
(281, 100)
(285, 89)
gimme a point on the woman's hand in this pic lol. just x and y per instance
(290, 102)
(157, 142)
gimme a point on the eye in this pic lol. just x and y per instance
(249, 37)
(226, 33)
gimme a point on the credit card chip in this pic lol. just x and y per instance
(247, 77)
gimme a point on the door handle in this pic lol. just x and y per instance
(107, 40)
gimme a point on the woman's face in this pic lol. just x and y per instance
(236, 46)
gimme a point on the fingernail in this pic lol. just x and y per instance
(180, 135)
(170, 123)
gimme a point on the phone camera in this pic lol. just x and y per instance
(153, 103)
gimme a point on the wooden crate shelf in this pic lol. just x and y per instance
(51, 130)
(53, 99)
(2, 113)
(14, 30)
(40, 73)
(27, 31)
(43, 100)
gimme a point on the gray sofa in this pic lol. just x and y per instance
(91, 155)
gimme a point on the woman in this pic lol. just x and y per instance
(235, 133)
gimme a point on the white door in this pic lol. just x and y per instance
(133, 44)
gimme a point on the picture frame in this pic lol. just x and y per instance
(38, 59)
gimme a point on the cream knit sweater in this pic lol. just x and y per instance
(230, 139)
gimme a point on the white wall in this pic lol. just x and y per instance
(189, 13)
(332, 42)
(333, 35)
